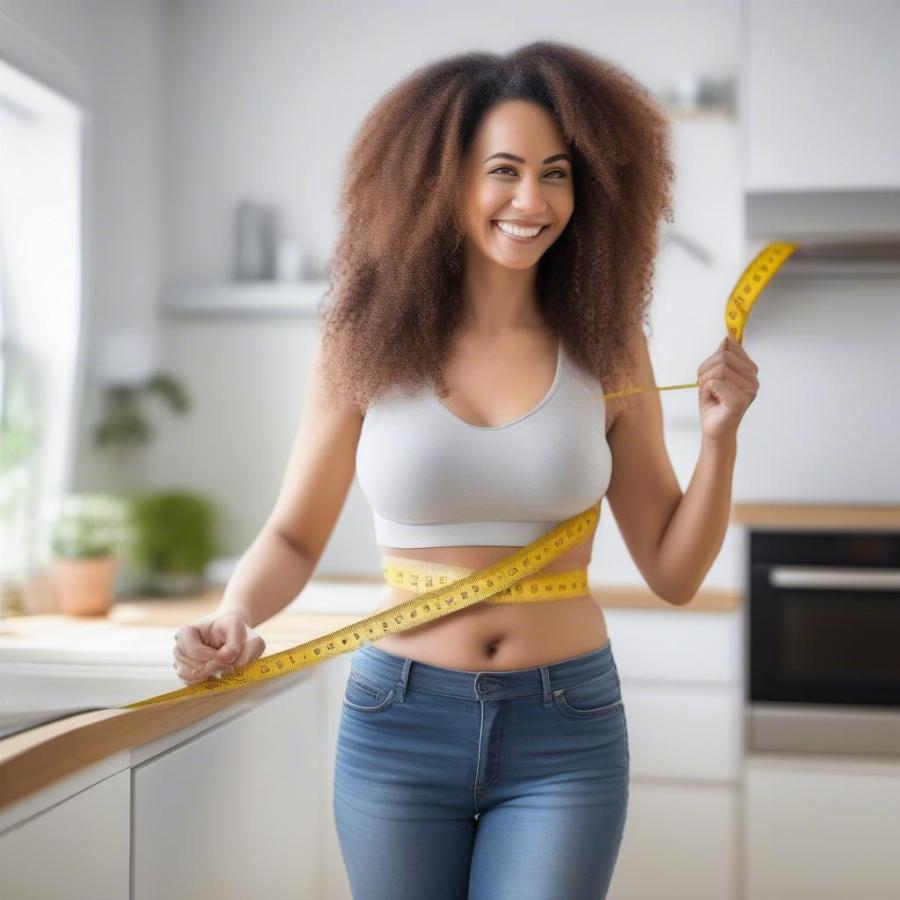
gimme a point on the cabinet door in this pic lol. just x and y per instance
(822, 99)
(79, 848)
(680, 843)
(821, 828)
(235, 812)
(692, 732)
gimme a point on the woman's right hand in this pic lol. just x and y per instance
(217, 642)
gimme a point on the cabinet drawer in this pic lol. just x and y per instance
(681, 645)
(685, 732)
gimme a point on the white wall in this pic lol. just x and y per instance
(201, 104)
(262, 101)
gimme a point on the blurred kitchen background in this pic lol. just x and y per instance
(168, 183)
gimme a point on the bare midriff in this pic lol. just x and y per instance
(503, 636)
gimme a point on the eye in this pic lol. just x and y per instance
(561, 173)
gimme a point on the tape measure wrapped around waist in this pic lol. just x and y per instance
(419, 576)
(499, 579)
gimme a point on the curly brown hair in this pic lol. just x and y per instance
(393, 301)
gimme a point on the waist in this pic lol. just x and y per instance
(420, 576)
(381, 668)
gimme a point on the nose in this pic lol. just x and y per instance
(529, 199)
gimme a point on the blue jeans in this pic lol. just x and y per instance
(451, 784)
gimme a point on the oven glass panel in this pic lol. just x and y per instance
(828, 637)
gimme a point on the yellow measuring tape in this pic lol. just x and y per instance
(418, 576)
(419, 610)
(508, 580)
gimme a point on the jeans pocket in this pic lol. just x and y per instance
(363, 697)
(594, 698)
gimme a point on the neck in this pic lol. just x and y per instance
(497, 299)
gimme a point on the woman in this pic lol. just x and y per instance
(489, 286)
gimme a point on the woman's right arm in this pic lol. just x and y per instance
(320, 470)
(278, 563)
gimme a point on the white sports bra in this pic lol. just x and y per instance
(434, 480)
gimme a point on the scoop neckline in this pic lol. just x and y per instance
(541, 403)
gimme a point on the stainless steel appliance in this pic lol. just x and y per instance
(824, 642)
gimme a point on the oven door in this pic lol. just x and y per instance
(824, 659)
(825, 634)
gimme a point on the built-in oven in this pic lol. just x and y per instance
(824, 642)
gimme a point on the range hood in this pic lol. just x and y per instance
(853, 233)
(859, 257)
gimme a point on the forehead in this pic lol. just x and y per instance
(517, 126)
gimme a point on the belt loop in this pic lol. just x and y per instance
(545, 682)
(404, 679)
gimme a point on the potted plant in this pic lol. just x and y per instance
(85, 536)
(172, 540)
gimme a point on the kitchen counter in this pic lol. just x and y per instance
(139, 632)
(815, 517)
(138, 629)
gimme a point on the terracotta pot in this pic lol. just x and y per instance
(84, 587)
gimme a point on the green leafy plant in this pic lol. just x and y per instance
(90, 525)
(125, 425)
(172, 532)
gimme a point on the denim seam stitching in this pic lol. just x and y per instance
(499, 724)
(372, 709)
(478, 757)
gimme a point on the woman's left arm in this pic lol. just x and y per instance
(674, 537)
(728, 385)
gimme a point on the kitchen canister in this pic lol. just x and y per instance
(288, 259)
(254, 242)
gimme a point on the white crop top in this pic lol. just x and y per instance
(434, 480)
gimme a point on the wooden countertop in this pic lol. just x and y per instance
(36, 758)
(41, 755)
(816, 517)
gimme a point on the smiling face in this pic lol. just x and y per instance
(518, 172)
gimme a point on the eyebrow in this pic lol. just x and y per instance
(519, 159)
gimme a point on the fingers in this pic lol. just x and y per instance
(252, 649)
(190, 642)
(741, 364)
(190, 670)
(722, 372)
(737, 348)
(235, 633)
(214, 646)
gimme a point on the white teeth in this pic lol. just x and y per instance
(517, 230)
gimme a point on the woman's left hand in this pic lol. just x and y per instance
(728, 385)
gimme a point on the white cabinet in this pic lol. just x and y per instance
(821, 94)
(235, 812)
(821, 828)
(77, 848)
(680, 843)
(683, 687)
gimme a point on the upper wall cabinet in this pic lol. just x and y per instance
(822, 94)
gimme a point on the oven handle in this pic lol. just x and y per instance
(834, 577)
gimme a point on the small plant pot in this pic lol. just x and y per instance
(84, 587)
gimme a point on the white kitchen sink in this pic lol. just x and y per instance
(33, 693)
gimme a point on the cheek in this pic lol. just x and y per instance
(488, 200)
